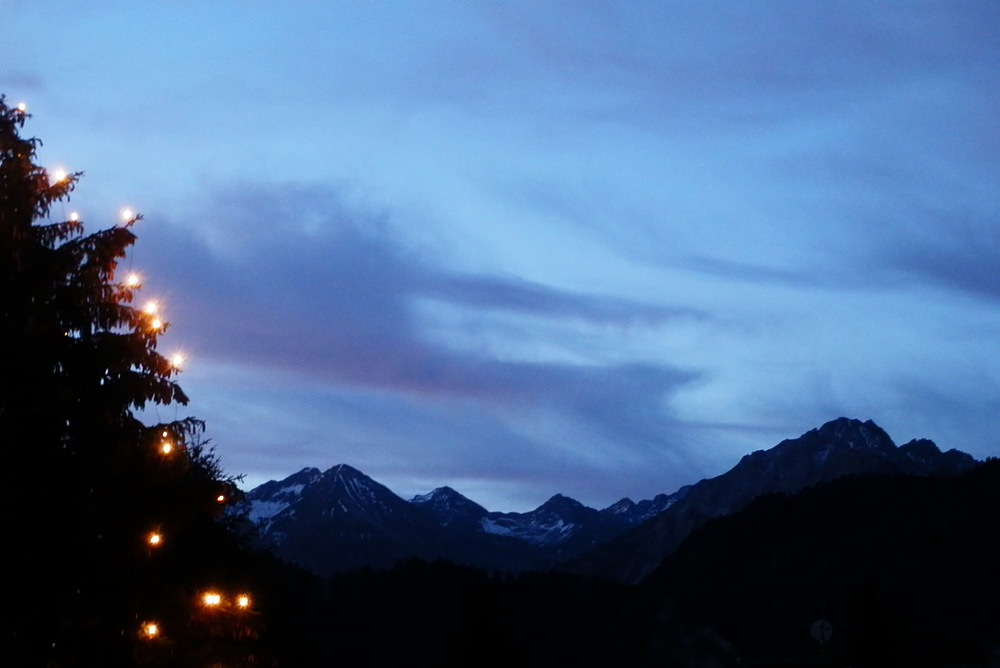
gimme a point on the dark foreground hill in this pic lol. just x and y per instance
(904, 569)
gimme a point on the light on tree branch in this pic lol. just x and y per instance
(155, 539)
(132, 280)
(211, 599)
(177, 360)
(166, 448)
(150, 630)
(22, 107)
(74, 216)
(127, 214)
(58, 175)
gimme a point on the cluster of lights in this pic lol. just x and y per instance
(213, 599)
(166, 447)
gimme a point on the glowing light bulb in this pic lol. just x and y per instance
(74, 216)
(127, 214)
(177, 360)
(132, 280)
(243, 601)
(151, 630)
(58, 175)
(212, 599)
(156, 324)
(22, 107)
(150, 307)
(155, 539)
(165, 433)
(166, 448)
(221, 498)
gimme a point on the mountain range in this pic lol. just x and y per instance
(340, 519)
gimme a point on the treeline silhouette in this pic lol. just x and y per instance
(442, 614)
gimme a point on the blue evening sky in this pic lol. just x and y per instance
(521, 248)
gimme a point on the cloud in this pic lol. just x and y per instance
(955, 249)
(290, 279)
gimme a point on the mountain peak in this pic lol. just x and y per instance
(450, 509)
(343, 470)
(436, 494)
(856, 434)
(620, 507)
(560, 502)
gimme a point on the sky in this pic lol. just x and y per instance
(602, 249)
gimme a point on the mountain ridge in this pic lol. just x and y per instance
(341, 518)
(838, 448)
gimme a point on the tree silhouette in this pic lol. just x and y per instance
(115, 527)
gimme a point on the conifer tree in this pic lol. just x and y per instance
(115, 527)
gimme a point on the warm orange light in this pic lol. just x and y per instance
(177, 360)
(151, 630)
(150, 307)
(58, 175)
(155, 539)
(221, 498)
(132, 280)
(156, 324)
(22, 107)
(127, 214)
(212, 599)
(243, 601)
(165, 434)
(74, 216)
(166, 448)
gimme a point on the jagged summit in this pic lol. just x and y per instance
(622, 506)
(559, 502)
(450, 509)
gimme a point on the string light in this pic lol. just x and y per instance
(151, 630)
(212, 599)
(150, 307)
(132, 280)
(177, 360)
(243, 601)
(155, 539)
(165, 433)
(127, 214)
(74, 216)
(166, 448)
(156, 324)
(22, 107)
(221, 498)
(58, 175)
